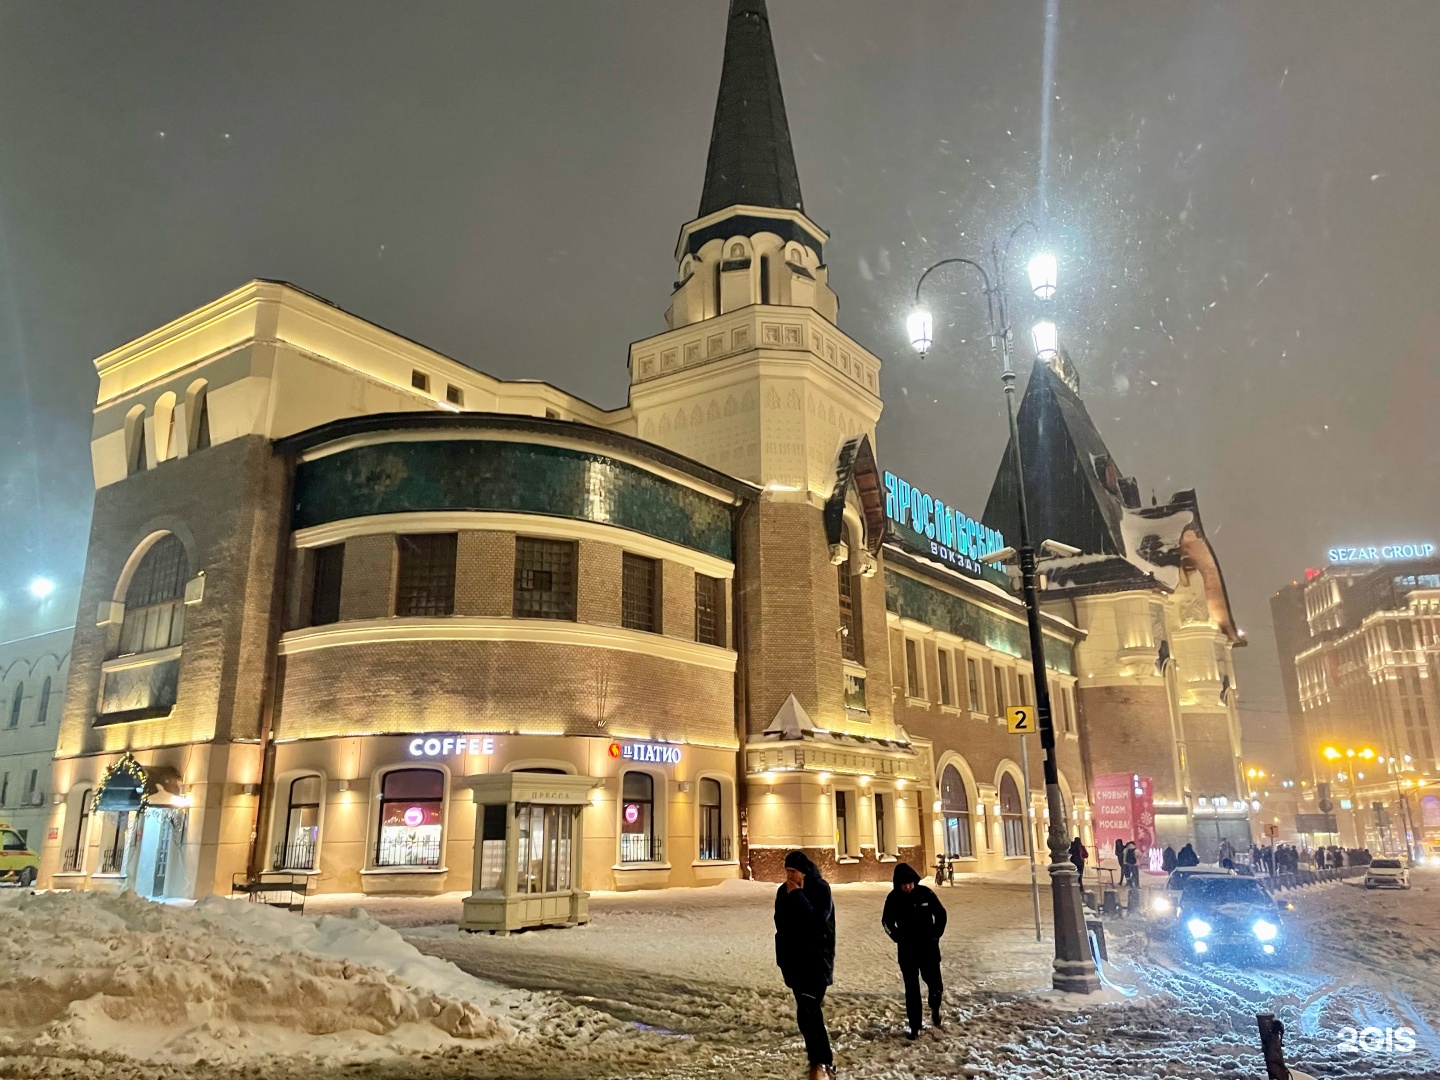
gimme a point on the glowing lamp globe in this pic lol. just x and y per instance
(1046, 339)
(921, 329)
(1042, 275)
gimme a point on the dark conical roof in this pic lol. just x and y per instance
(1075, 492)
(751, 160)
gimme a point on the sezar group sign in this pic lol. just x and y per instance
(1383, 553)
(928, 525)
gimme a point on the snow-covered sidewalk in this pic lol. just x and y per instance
(678, 984)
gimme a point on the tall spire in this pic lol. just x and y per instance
(751, 160)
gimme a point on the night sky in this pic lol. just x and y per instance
(1243, 195)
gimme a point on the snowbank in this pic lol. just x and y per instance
(228, 982)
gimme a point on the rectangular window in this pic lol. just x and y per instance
(492, 846)
(883, 846)
(710, 610)
(714, 844)
(855, 694)
(972, 670)
(542, 849)
(849, 625)
(420, 381)
(640, 593)
(412, 817)
(913, 684)
(544, 579)
(329, 569)
(1023, 684)
(455, 396)
(1001, 698)
(947, 697)
(842, 823)
(425, 583)
(4, 788)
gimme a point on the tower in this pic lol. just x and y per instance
(1156, 677)
(753, 377)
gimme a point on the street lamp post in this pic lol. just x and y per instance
(1074, 965)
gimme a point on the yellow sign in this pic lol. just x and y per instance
(1020, 720)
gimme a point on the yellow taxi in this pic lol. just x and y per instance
(18, 864)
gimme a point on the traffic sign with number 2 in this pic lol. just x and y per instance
(1020, 719)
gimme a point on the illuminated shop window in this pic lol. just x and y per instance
(302, 825)
(412, 813)
(714, 838)
(1012, 817)
(955, 813)
(638, 839)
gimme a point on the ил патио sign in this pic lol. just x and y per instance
(928, 526)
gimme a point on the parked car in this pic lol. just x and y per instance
(1387, 874)
(1167, 900)
(1229, 916)
(18, 864)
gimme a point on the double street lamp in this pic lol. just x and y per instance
(1074, 965)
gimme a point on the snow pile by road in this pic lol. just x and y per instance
(228, 982)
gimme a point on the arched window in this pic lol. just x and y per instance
(155, 600)
(135, 459)
(197, 415)
(638, 842)
(1012, 817)
(73, 859)
(302, 824)
(43, 713)
(851, 646)
(15, 703)
(714, 844)
(412, 816)
(955, 813)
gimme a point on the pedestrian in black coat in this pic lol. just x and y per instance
(1167, 859)
(915, 920)
(805, 953)
(1130, 872)
(1078, 855)
(1187, 856)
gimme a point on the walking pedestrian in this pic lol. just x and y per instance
(805, 954)
(1167, 859)
(1078, 855)
(1131, 873)
(915, 920)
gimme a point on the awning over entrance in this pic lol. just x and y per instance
(128, 786)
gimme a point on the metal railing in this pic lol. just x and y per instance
(70, 862)
(297, 853)
(112, 860)
(408, 853)
(640, 847)
(715, 848)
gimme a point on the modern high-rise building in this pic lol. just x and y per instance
(1366, 679)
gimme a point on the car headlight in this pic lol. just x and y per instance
(1198, 928)
(1265, 930)
(1160, 903)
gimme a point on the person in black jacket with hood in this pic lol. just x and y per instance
(805, 953)
(915, 921)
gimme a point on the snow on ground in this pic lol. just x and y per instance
(92, 976)
(680, 984)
